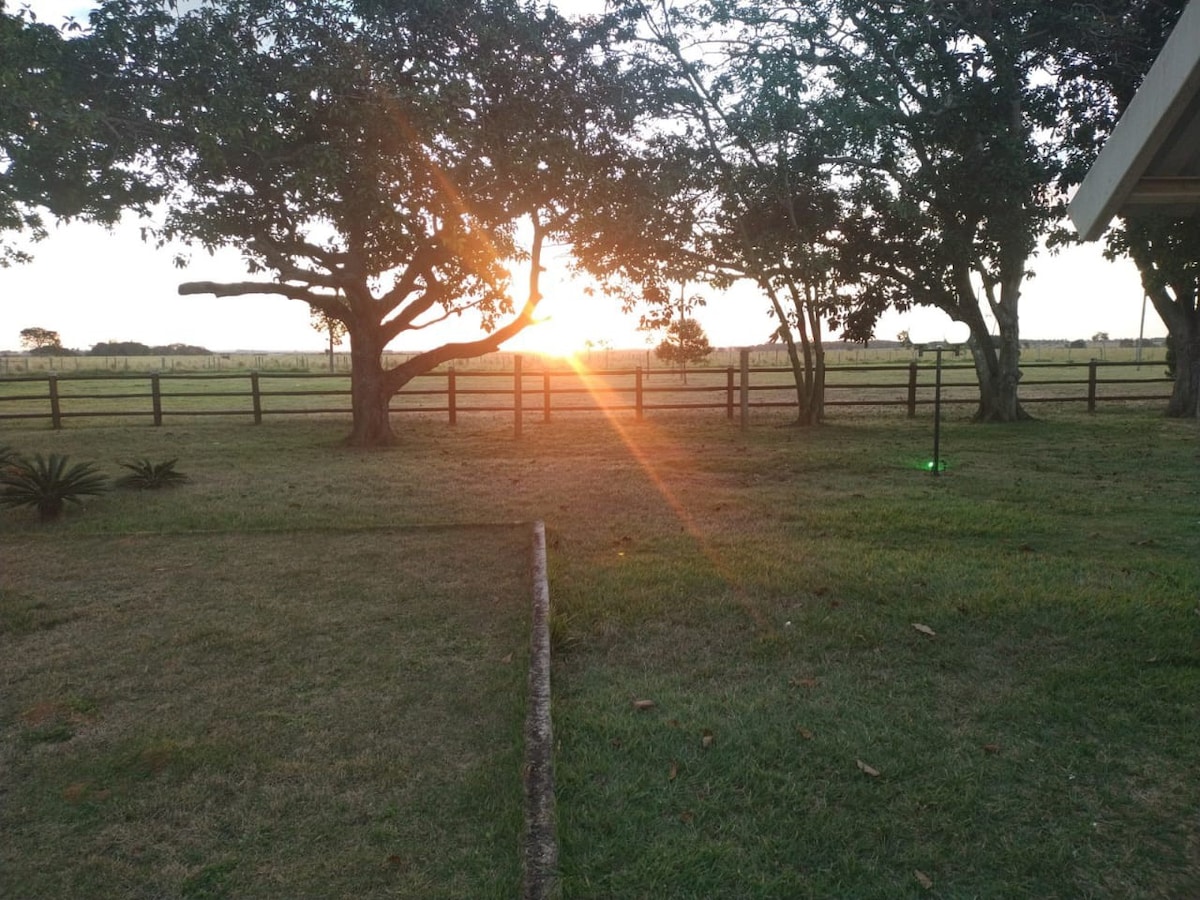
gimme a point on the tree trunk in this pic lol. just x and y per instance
(370, 394)
(997, 360)
(1166, 252)
(1185, 392)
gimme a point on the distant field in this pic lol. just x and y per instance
(598, 359)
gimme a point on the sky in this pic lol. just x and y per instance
(92, 285)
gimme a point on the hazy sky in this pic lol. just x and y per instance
(91, 285)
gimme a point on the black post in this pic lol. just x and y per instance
(937, 414)
(518, 403)
(255, 398)
(55, 409)
(744, 387)
(156, 398)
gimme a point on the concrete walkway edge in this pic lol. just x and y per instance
(540, 848)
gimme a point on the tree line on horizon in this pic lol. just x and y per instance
(395, 164)
(45, 342)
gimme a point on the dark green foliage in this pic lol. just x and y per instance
(148, 476)
(68, 129)
(362, 172)
(136, 348)
(685, 343)
(48, 483)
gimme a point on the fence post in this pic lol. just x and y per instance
(517, 400)
(452, 396)
(1092, 386)
(638, 398)
(256, 398)
(745, 387)
(912, 389)
(546, 394)
(156, 398)
(55, 410)
(729, 393)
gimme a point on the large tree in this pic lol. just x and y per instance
(1104, 56)
(866, 155)
(758, 209)
(942, 109)
(384, 162)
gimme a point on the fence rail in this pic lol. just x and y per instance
(526, 394)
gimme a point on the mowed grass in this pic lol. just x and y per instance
(761, 589)
(271, 715)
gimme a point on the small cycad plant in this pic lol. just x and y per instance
(48, 483)
(146, 475)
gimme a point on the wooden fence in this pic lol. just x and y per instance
(527, 394)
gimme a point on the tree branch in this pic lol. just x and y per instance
(423, 362)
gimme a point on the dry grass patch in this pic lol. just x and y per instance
(304, 714)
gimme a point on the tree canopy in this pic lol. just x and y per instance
(384, 162)
(68, 132)
(40, 340)
(397, 164)
(685, 342)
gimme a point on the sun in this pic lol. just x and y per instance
(550, 335)
(569, 321)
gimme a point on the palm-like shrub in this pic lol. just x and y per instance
(48, 484)
(147, 475)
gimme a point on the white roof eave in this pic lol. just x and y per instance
(1117, 176)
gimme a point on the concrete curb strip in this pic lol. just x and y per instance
(540, 849)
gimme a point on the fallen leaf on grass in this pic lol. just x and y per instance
(673, 771)
(686, 817)
(1027, 548)
(924, 880)
(924, 629)
(643, 704)
(991, 748)
(805, 733)
(506, 659)
(863, 767)
(706, 738)
(803, 682)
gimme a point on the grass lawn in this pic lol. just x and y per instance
(743, 704)
(284, 715)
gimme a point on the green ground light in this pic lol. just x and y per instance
(926, 464)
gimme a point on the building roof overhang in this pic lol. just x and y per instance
(1151, 161)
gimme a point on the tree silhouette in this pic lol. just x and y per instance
(685, 343)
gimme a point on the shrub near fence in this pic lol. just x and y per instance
(545, 391)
